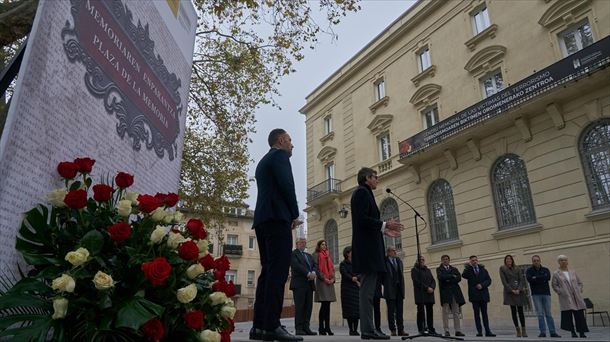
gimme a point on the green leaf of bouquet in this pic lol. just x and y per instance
(33, 238)
(37, 331)
(7, 321)
(105, 301)
(75, 186)
(137, 311)
(25, 301)
(93, 241)
(88, 181)
(30, 285)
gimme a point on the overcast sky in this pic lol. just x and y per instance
(354, 32)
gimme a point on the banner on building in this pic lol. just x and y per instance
(106, 79)
(575, 66)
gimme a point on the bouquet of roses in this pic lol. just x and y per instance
(109, 264)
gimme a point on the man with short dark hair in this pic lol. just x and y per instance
(478, 293)
(275, 216)
(539, 277)
(368, 255)
(451, 294)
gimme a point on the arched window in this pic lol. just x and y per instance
(443, 224)
(331, 235)
(389, 210)
(594, 148)
(511, 192)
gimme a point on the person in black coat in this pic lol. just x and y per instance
(451, 294)
(538, 277)
(423, 291)
(350, 292)
(478, 293)
(275, 216)
(394, 292)
(368, 254)
(302, 284)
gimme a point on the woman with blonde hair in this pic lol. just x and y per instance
(514, 283)
(325, 285)
(569, 288)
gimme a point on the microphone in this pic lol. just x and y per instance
(389, 191)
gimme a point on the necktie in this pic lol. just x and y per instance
(476, 270)
(307, 261)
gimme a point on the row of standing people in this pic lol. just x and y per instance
(316, 275)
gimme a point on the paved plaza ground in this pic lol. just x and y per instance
(505, 333)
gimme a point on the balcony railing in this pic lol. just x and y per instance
(234, 250)
(329, 186)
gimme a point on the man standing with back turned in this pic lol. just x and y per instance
(368, 255)
(275, 216)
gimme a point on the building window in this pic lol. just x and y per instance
(441, 212)
(384, 146)
(231, 275)
(511, 192)
(423, 59)
(331, 236)
(250, 280)
(389, 210)
(576, 38)
(492, 83)
(328, 125)
(251, 242)
(480, 20)
(594, 149)
(379, 89)
(232, 239)
(430, 116)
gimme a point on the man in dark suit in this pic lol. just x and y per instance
(275, 216)
(302, 284)
(478, 293)
(394, 292)
(368, 255)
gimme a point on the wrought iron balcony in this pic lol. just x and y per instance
(324, 191)
(233, 250)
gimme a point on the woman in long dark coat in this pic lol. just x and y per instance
(423, 290)
(350, 292)
(513, 281)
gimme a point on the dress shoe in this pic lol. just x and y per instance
(490, 334)
(256, 334)
(308, 332)
(393, 332)
(381, 333)
(329, 333)
(374, 336)
(354, 333)
(300, 333)
(447, 333)
(459, 333)
(574, 334)
(431, 331)
(322, 332)
(402, 333)
(280, 334)
(479, 334)
(583, 335)
(555, 335)
(542, 335)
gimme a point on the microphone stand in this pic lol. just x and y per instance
(424, 332)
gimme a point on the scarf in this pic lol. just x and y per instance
(326, 264)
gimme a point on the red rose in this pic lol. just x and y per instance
(171, 199)
(219, 286)
(219, 275)
(225, 336)
(222, 263)
(207, 262)
(85, 165)
(67, 170)
(194, 319)
(188, 250)
(153, 329)
(148, 203)
(102, 192)
(230, 326)
(160, 196)
(197, 229)
(157, 270)
(230, 289)
(119, 231)
(123, 180)
(76, 199)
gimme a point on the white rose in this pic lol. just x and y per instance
(203, 246)
(209, 336)
(159, 214)
(168, 218)
(228, 311)
(178, 217)
(132, 196)
(78, 257)
(102, 281)
(174, 240)
(157, 235)
(60, 307)
(124, 208)
(56, 197)
(63, 283)
(218, 298)
(187, 294)
(194, 270)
